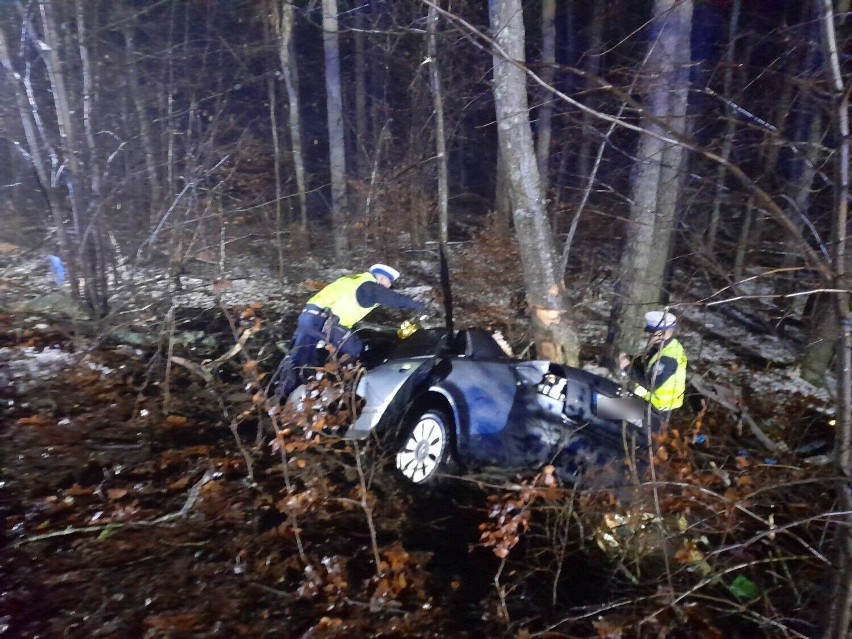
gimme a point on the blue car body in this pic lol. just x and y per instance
(505, 413)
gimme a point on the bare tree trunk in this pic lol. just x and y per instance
(94, 208)
(421, 111)
(744, 241)
(657, 177)
(545, 110)
(88, 99)
(289, 70)
(502, 193)
(815, 358)
(821, 339)
(807, 133)
(440, 135)
(336, 138)
(276, 161)
(178, 247)
(36, 156)
(632, 288)
(169, 123)
(143, 119)
(592, 66)
(362, 127)
(730, 124)
(378, 79)
(86, 249)
(840, 606)
(554, 334)
(770, 146)
(678, 48)
(562, 180)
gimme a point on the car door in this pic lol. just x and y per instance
(502, 418)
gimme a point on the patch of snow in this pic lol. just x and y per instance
(24, 368)
(719, 350)
(594, 369)
(782, 384)
(99, 368)
(701, 350)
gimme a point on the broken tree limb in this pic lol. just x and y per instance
(709, 393)
(107, 528)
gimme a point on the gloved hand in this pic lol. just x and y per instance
(406, 329)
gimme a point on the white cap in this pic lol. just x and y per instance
(659, 321)
(383, 269)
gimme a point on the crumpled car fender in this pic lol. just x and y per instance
(386, 391)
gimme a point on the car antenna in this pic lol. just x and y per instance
(447, 293)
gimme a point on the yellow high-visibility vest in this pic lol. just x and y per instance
(670, 395)
(339, 296)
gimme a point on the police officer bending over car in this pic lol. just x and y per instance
(658, 375)
(330, 315)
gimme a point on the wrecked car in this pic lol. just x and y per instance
(447, 402)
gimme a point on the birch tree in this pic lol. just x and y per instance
(63, 165)
(39, 157)
(553, 332)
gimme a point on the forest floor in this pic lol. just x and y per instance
(138, 499)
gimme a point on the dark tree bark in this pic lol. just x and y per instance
(730, 124)
(592, 64)
(336, 136)
(545, 109)
(272, 94)
(362, 128)
(284, 23)
(140, 103)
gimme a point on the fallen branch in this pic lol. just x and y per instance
(740, 413)
(107, 528)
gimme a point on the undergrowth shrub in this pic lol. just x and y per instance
(714, 543)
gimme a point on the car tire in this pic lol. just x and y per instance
(425, 449)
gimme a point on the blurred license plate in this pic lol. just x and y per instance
(619, 408)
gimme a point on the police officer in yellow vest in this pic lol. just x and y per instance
(330, 315)
(658, 375)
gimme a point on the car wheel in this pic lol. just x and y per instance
(425, 447)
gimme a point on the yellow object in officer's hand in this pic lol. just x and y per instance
(406, 330)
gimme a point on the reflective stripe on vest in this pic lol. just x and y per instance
(339, 296)
(670, 395)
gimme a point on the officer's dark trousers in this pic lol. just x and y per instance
(303, 352)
